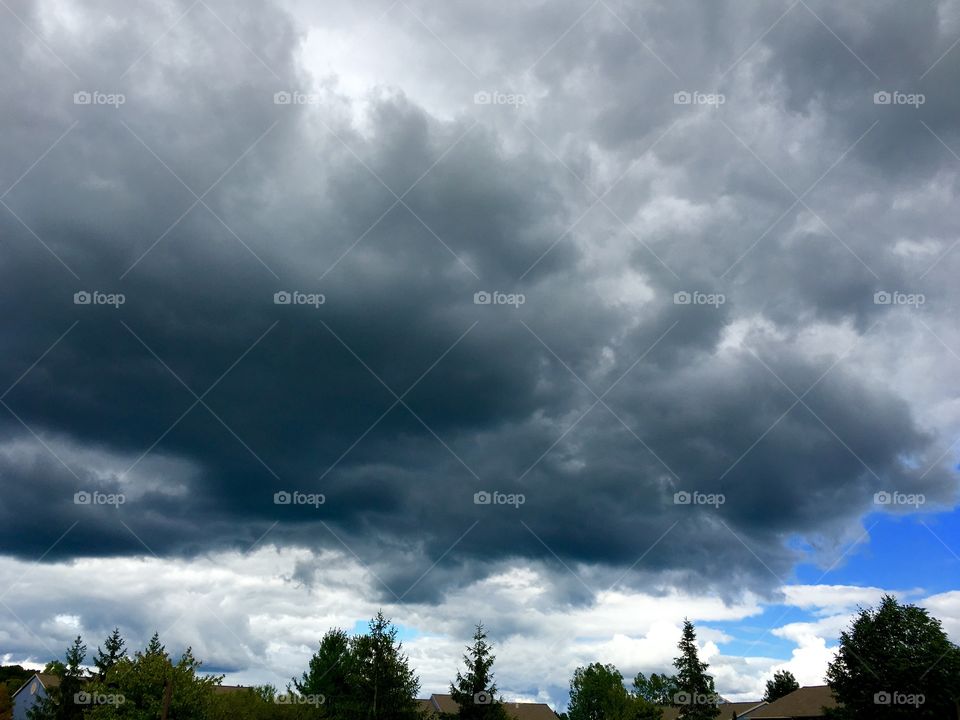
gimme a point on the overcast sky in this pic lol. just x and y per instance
(291, 290)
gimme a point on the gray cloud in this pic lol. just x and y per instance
(305, 197)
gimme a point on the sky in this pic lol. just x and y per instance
(574, 318)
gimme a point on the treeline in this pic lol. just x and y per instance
(894, 661)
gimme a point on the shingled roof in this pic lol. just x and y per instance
(742, 709)
(516, 711)
(48, 680)
(807, 702)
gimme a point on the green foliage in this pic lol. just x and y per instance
(6, 703)
(13, 677)
(597, 693)
(134, 688)
(258, 703)
(695, 696)
(55, 667)
(114, 651)
(477, 683)
(367, 677)
(383, 684)
(329, 672)
(783, 683)
(61, 702)
(900, 654)
(658, 689)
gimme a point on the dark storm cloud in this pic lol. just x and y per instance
(399, 398)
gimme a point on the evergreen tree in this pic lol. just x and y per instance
(154, 647)
(783, 683)
(142, 683)
(114, 651)
(61, 702)
(328, 673)
(383, 686)
(475, 692)
(695, 696)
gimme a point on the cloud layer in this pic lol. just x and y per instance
(723, 236)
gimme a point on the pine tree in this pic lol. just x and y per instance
(383, 687)
(154, 647)
(695, 696)
(114, 651)
(328, 673)
(475, 692)
(61, 702)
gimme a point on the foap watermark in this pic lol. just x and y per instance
(295, 497)
(895, 97)
(295, 699)
(495, 97)
(295, 98)
(95, 297)
(699, 298)
(483, 698)
(495, 297)
(98, 698)
(898, 498)
(895, 297)
(694, 497)
(498, 498)
(95, 497)
(687, 97)
(885, 697)
(95, 97)
(295, 297)
(688, 698)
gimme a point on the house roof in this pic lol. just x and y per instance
(515, 710)
(48, 680)
(726, 710)
(807, 702)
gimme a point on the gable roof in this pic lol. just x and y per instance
(740, 708)
(807, 702)
(48, 680)
(439, 703)
(726, 710)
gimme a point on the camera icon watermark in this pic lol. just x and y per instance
(694, 97)
(95, 297)
(694, 497)
(895, 97)
(97, 698)
(687, 698)
(498, 498)
(95, 497)
(696, 297)
(495, 297)
(895, 297)
(900, 699)
(291, 698)
(295, 297)
(495, 97)
(95, 97)
(482, 698)
(295, 98)
(898, 498)
(295, 497)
